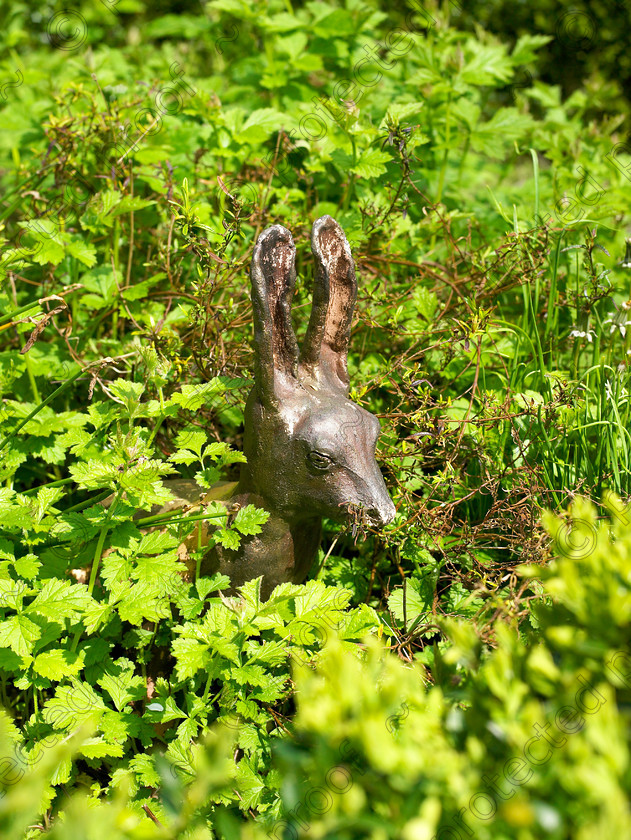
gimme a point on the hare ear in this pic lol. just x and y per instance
(326, 342)
(273, 275)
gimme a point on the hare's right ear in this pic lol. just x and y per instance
(273, 275)
(325, 346)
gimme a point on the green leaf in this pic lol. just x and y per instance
(160, 572)
(10, 661)
(72, 704)
(59, 600)
(97, 214)
(19, 633)
(141, 603)
(251, 786)
(204, 585)
(193, 397)
(250, 519)
(124, 686)
(164, 710)
(506, 125)
(141, 289)
(183, 456)
(99, 748)
(48, 238)
(399, 111)
(191, 656)
(409, 602)
(128, 393)
(12, 593)
(524, 50)
(359, 623)
(143, 765)
(6, 549)
(488, 65)
(57, 664)
(192, 439)
(84, 251)
(260, 124)
(96, 615)
(371, 163)
(207, 477)
(94, 474)
(131, 203)
(101, 281)
(157, 542)
(220, 451)
(460, 601)
(250, 675)
(228, 539)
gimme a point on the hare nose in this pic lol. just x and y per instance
(382, 514)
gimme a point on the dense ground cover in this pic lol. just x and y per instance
(142, 150)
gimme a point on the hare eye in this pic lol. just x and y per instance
(319, 460)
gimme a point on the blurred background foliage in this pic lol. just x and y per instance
(589, 42)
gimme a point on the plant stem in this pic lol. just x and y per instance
(207, 688)
(42, 405)
(89, 502)
(29, 371)
(8, 319)
(198, 562)
(99, 546)
(58, 483)
(115, 258)
(97, 558)
(166, 519)
(160, 419)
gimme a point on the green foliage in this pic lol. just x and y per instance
(62, 642)
(586, 39)
(528, 738)
(142, 153)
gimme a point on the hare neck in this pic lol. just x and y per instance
(283, 551)
(247, 487)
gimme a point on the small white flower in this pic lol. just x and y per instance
(582, 334)
(617, 323)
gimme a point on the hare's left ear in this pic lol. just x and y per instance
(273, 275)
(325, 348)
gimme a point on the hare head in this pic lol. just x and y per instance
(310, 450)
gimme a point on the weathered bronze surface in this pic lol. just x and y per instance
(310, 450)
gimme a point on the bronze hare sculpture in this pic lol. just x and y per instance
(310, 450)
